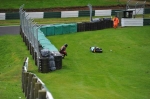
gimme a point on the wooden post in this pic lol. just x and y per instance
(22, 79)
(41, 94)
(23, 37)
(34, 80)
(37, 88)
(26, 82)
(29, 84)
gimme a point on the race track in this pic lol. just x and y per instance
(9, 30)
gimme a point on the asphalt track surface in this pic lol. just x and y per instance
(9, 30)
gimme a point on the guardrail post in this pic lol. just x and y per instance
(29, 84)
(22, 80)
(37, 88)
(34, 80)
(25, 82)
(41, 94)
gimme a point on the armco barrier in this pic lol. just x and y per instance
(58, 59)
(91, 26)
(32, 86)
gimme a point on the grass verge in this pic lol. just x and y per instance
(118, 74)
(13, 4)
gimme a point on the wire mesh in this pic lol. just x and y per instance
(30, 30)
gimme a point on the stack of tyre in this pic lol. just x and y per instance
(95, 25)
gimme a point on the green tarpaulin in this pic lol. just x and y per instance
(65, 28)
(58, 29)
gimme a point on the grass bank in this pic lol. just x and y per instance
(12, 54)
(118, 74)
(15, 4)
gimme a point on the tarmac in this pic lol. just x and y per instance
(9, 30)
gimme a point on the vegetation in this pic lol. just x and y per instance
(121, 72)
(12, 54)
(15, 4)
(118, 74)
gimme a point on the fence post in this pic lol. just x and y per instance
(22, 79)
(41, 94)
(29, 84)
(34, 80)
(37, 88)
(25, 82)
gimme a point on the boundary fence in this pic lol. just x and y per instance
(137, 7)
(29, 33)
(35, 41)
(32, 86)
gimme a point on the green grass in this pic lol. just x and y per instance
(15, 4)
(46, 21)
(122, 73)
(12, 54)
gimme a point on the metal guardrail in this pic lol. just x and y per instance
(32, 86)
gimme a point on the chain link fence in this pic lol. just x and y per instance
(29, 31)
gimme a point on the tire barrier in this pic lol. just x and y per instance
(32, 86)
(44, 65)
(91, 26)
(58, 59)
(80, 27)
